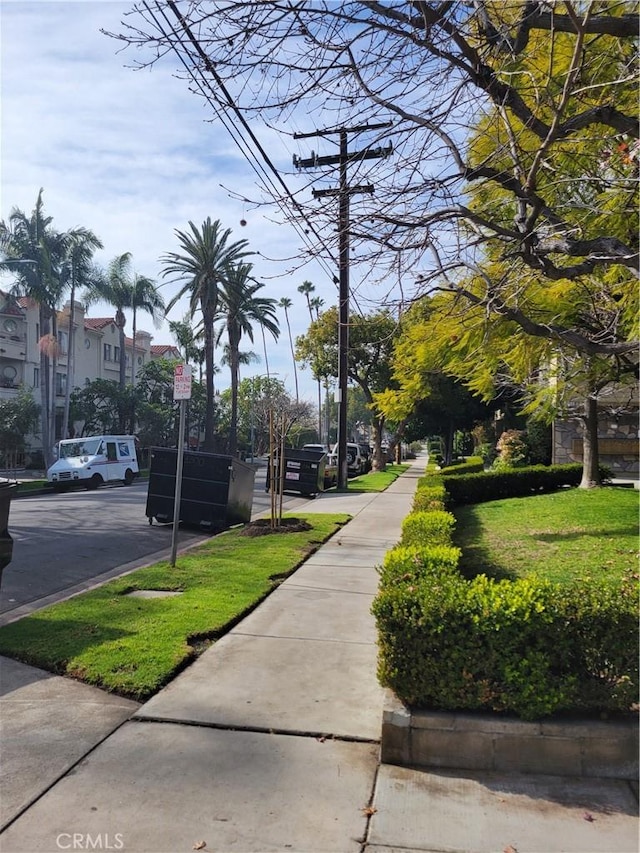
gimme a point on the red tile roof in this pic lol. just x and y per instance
(97, 322)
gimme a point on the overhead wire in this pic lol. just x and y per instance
(236, 136)
(241, 143)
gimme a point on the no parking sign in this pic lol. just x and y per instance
(182, 382)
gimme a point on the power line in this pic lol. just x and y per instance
(241, 143)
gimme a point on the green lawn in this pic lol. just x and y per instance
(566, 535)
(133, 646)
(376, 481)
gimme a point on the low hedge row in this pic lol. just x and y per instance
(529, 647)
(515, 483)
(471, 465)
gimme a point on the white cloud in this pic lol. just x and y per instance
(133, 155)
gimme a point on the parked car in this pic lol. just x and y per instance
(356, 463)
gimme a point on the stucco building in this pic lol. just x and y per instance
(96, 346)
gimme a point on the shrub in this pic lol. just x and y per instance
(429, 498)
(512, 449)
(528, 646)
(514, 483)
(409, 563)
(469, 466)
(428, 528)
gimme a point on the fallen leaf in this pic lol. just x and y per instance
(369, 810)
(588, 816)
(510, 849)
(199, 845)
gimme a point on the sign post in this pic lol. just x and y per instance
(181, 392)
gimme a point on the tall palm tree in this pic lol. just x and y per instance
(202, 266)
(315, 305)
(144, 297)
(241, 308)
(115, 288)
(78, 271)
(34, 251)
(306, 288)
(285, 303)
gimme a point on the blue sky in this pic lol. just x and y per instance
(133, 155)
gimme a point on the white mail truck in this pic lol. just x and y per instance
(94, 460)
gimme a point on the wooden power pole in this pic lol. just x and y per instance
(343, 192)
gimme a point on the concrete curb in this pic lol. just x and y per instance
(464, 741)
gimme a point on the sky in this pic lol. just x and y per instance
(134, 155)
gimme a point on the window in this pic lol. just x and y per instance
(61, 384)
(36, 377)
(87, 343)
(116, 354)
(63, 342)
(107, 352)
(10, 326)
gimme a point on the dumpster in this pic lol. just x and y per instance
(303, 471)
(7, 491)
(217, 490)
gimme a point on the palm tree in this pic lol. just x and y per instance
(315, 305)
(144, 297)
(202, 265)
(241, 307)
(306, 288)
(188, 342)
(285, 303)
(34, 251)
(115, 288)
(78, 271)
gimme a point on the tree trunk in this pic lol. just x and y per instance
(208, 443)
(379, 461)
(590, 457)
(44, 391)
(234, 352)
(70, 360)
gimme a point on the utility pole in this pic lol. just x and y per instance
(344, 192)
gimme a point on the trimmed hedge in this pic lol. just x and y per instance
(429, 498)
(428, 528)
(472, 465)
(514, 483)
(528, 647)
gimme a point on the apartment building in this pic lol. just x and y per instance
(96, 348)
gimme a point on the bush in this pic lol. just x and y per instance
(469, 466)
(429, 498)
(410, 563)
(528, 646)
(428, 528)
(513, 451)
(513, 483)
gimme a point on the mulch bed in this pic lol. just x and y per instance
(262, 527)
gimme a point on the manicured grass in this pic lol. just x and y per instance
(27, 486)
(376, 481)
(133, 646)
(570, 534)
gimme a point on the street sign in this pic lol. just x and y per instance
(182, 382)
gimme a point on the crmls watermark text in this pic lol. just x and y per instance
(86, 841)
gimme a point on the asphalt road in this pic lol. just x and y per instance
(68, 542)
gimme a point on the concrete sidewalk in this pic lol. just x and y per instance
(270, 742)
